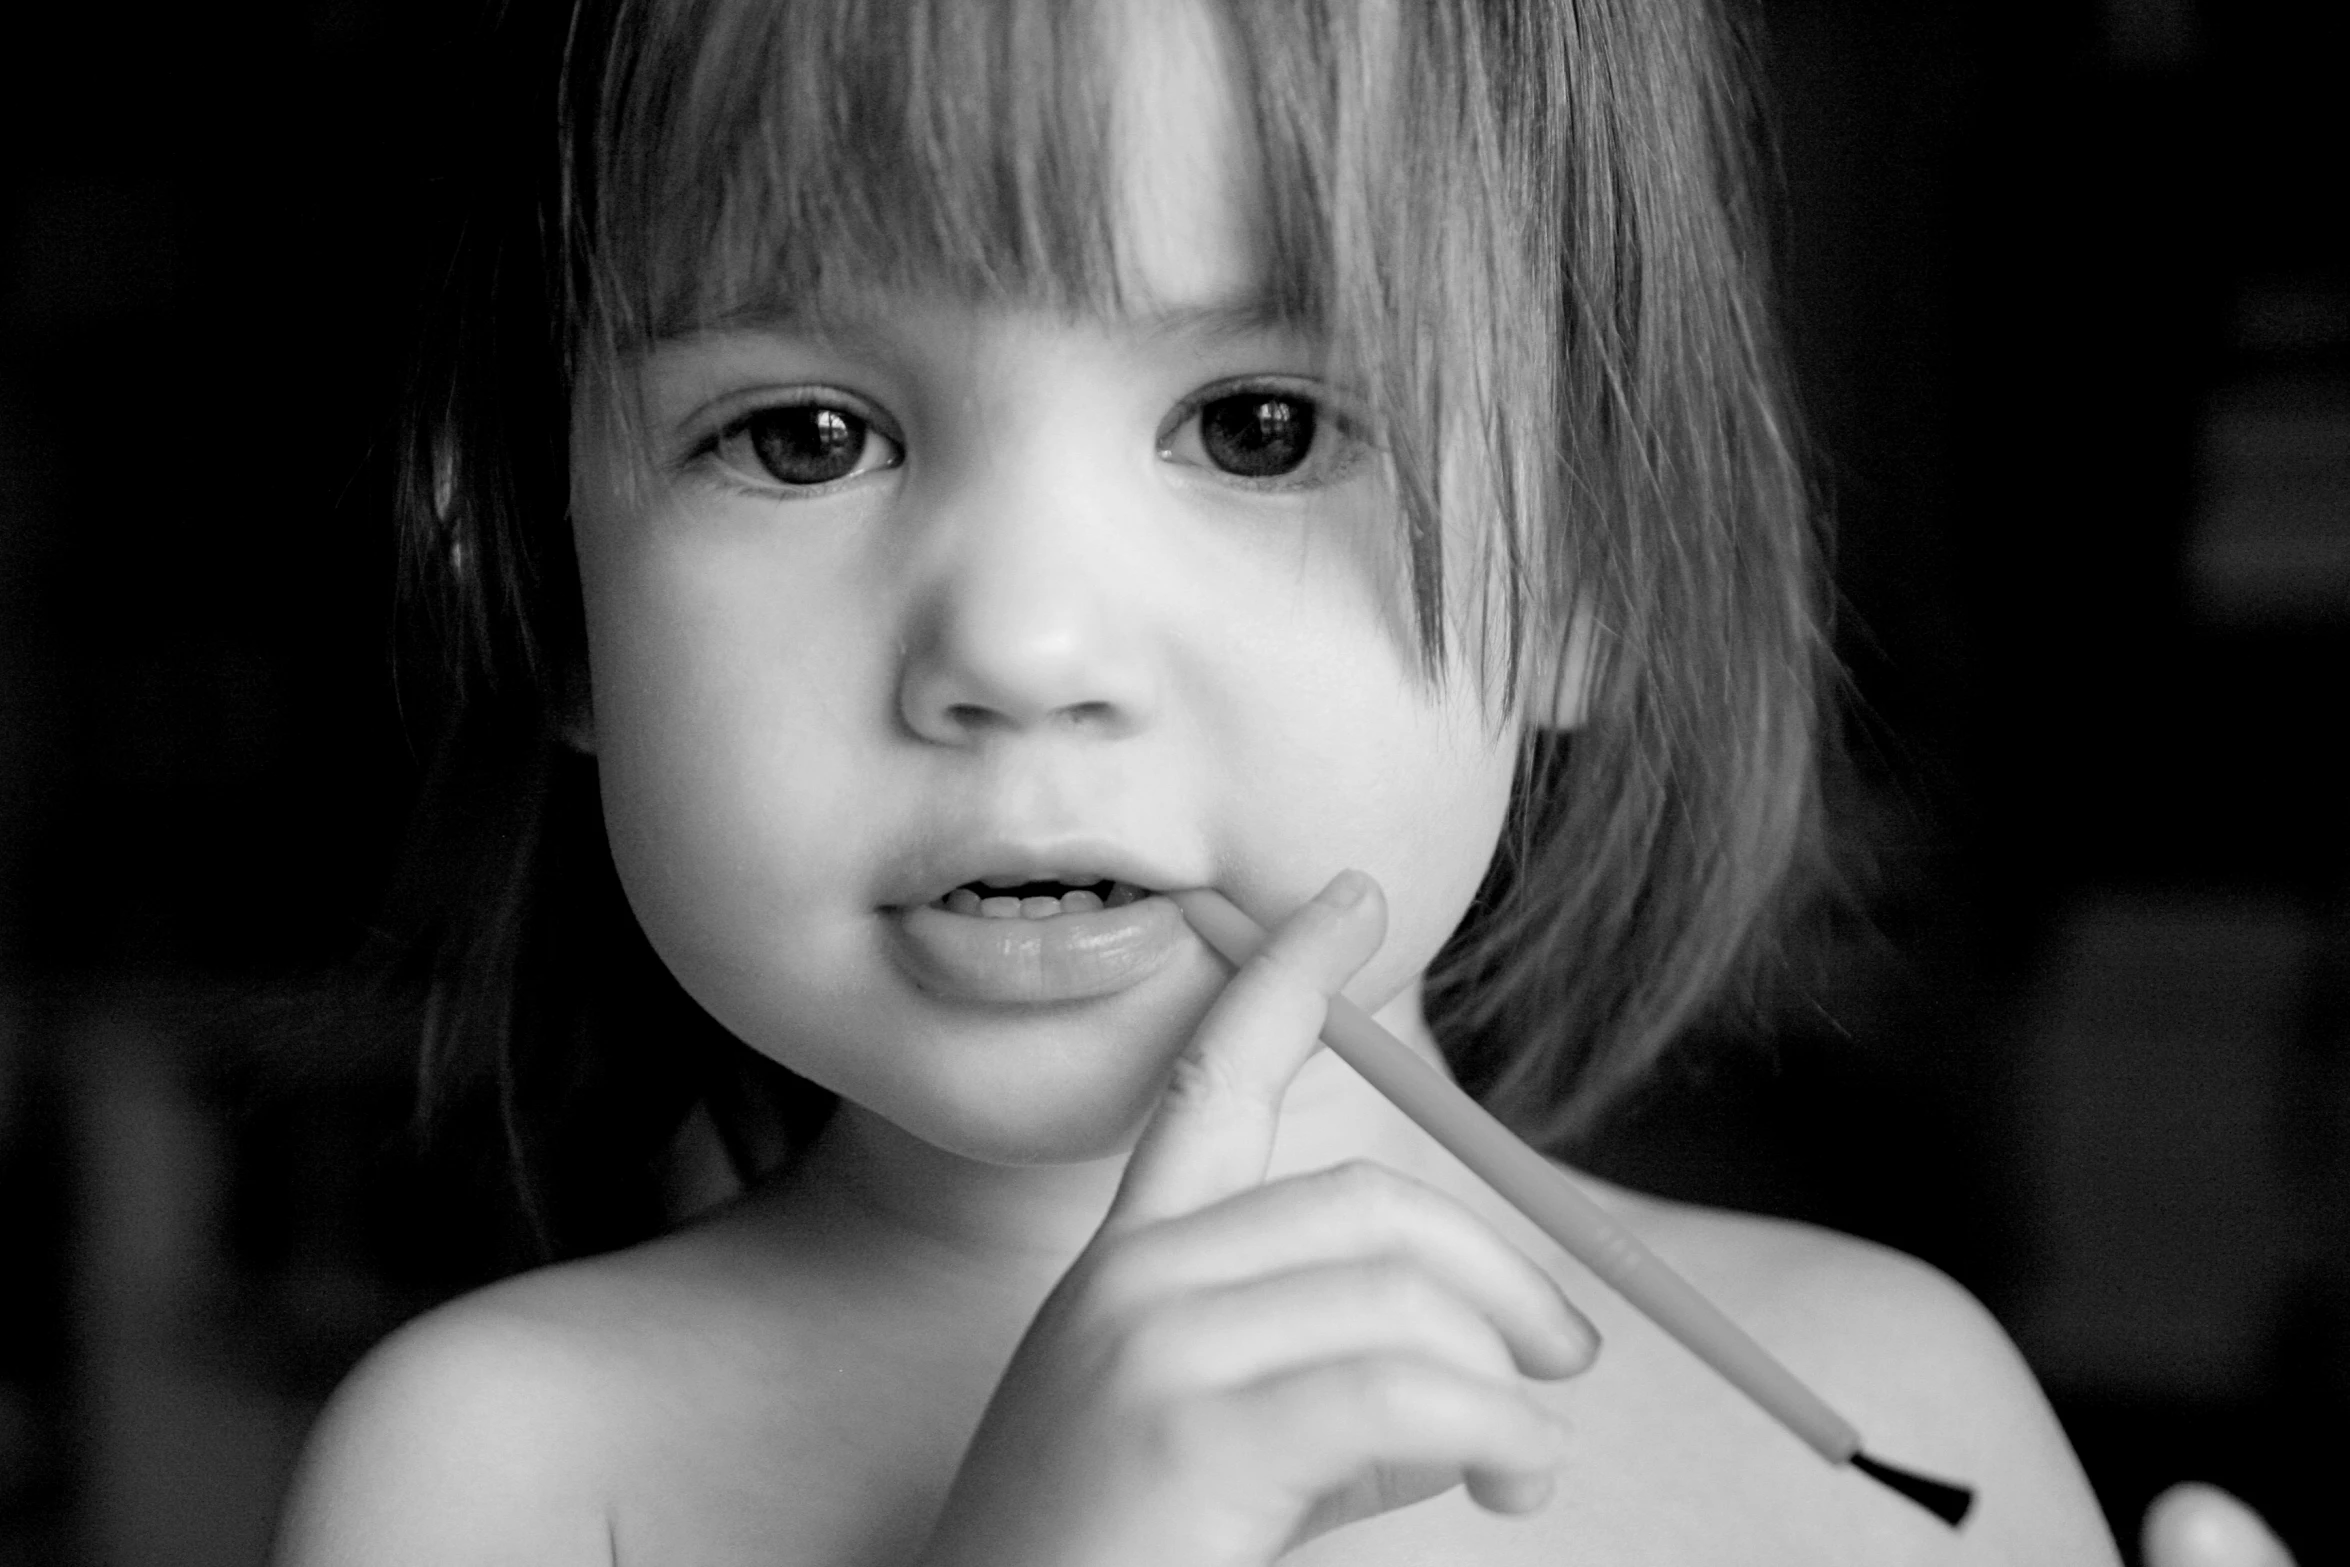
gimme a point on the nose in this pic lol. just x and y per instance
(1030, 619)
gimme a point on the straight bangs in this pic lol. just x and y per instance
(1521, 230)
(1523, 234)
(729, 161)
(733, 160)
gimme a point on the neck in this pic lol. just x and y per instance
(891, 1190)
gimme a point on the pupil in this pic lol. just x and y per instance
(813, 445)
(1257, 435)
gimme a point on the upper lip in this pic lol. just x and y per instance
(927, 877)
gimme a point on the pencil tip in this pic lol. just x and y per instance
(1945, 1501)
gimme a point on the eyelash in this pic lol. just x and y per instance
(1336, 441)
(754, 474)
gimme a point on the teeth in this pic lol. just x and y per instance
(969, 900)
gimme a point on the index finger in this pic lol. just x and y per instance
(1212, 1134)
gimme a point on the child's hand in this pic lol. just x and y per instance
(1231, 1366)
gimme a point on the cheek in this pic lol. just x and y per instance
(1362, 764)
(719, 716)
(1443, 809)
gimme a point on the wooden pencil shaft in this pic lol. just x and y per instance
(1536, 1188)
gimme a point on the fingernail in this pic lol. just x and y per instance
(1532, 1493)
(1583, 1340)
(1346, 889)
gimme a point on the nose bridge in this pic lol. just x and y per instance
(1027, 614)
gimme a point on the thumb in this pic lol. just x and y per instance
(1212, 1133)
(2203, 1526)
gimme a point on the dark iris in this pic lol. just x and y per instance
(809, 444)
(1257, 435)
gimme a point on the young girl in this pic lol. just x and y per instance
(1022, 459)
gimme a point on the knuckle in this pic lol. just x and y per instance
(1106, 1282)
(1359, 1180)
(1123, 1310)
(1298, 952)
(1375, 1192)
(1395, 1392)
(1279, 966)
(1151, 1357)
(1399, 1287)
(1121, 1271)
(1186, 1433)
(1276, 994)
(1202, 1084)
(1442, 1327)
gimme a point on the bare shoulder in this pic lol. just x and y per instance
(1906, 1353)
(497, 1427)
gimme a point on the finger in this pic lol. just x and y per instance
(1331, 1424)
(1498, 1491)
(1213, 1130)
(1242, 1333)
(1361, 1212)
(2203, 1526)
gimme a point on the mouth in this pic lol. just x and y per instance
(1028, 930)
(1019, 898)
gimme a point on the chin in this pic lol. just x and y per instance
(1038, 1100)
(1039, 1123)
(1080, 1087)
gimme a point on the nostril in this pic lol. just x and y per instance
(957, 692)
(973, 715)
(977, 717)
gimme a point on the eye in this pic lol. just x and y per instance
(806, 445)
(1257, 435)
(1272, 437)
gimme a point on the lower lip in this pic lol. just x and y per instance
(1067, 957)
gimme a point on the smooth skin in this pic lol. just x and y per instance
(1229, 1364)
(1036, 621)
(850, 1368)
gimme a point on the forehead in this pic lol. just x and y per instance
(1091, 157)
(1184, 171)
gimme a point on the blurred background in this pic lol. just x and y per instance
(2070, 298)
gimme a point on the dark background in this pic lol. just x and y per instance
(2070, 300)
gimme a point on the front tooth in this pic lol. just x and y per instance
(1039, 908)
(963, 901)
(1000, 908)
(1080, 902)
(1123, 893)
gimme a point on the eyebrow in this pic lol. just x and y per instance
(1241, 316)
(1216, 320)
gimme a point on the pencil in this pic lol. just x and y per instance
(1537, 1189)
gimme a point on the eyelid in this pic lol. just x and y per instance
(724, 416)
(1341, 410)
(1339, 417)
(718, 421)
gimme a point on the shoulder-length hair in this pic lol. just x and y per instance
(1525, 226)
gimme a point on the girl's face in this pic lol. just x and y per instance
(935, 598)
